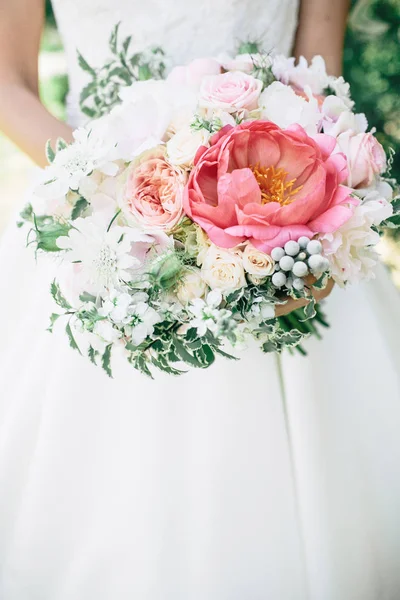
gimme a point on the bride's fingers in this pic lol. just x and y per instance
(284, 309)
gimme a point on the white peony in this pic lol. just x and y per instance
(302, 75)
(257, 263)
(350, 250)
(342, 90)
(182, 147)
(223, 269)
(191, 287)
(280, 104)
(337, 118)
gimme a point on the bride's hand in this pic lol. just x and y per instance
(284, 309)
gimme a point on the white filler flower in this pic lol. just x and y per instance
(104, 256)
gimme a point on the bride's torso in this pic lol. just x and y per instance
(185, 29)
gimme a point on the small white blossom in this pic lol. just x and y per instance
(208, 317)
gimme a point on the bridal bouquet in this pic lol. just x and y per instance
(191, 205)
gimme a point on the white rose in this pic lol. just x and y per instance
(257, 263)
(223, 269)
(182, 147)
(191, 287)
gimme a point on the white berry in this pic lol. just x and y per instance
(304, 241)
(316, 262)
(277, 254)
(300, 269)
(314, 247)
(292, 248)
(302, 256)
(279, 279)
(298, 284)
(327, 265)
(286, 263)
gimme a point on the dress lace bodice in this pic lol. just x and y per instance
(184, 28)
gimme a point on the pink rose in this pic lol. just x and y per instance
(193, 73)
(365, 157)
(230, 92)
(154, 191)
(265, 184)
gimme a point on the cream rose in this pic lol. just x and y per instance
(257, 263)
(182, 147)
(230, 92)
(192, 286)
(223, 269)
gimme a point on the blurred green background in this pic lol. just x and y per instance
(371, 65)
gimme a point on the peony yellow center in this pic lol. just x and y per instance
(274, 185)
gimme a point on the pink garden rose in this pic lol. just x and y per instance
(265, 184)
(365, 157)
(153, 193)
(193, 73)
(230, 92)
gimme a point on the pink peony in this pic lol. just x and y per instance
(261, 183)
(231, 92)
(365, 157)
(154, 191)
(193, 73)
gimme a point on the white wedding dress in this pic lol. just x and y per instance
(261, 479)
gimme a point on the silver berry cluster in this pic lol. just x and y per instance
(297, 260)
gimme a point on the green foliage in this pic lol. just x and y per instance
(101, 94)
(372, 66)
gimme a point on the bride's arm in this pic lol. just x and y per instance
(321, 29)
(22, 116)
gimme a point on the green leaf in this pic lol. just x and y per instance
(92, 353)
(85, 297)
(27, 213)
(144, 73)
(50, 154)
(53, 318)
(47, 232)
(206, 355)
(163, 365)
(322, 282)
(89, 112)
(72, 341)
(225, 354)
(84, 65)
(114, 39)
(61, 144)
(126, 44)
(87, 91)
(183, 353)
(142, 366)
(309, 309)
(58, 296)
(269, 346)
(80, 206)
(106, 360)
